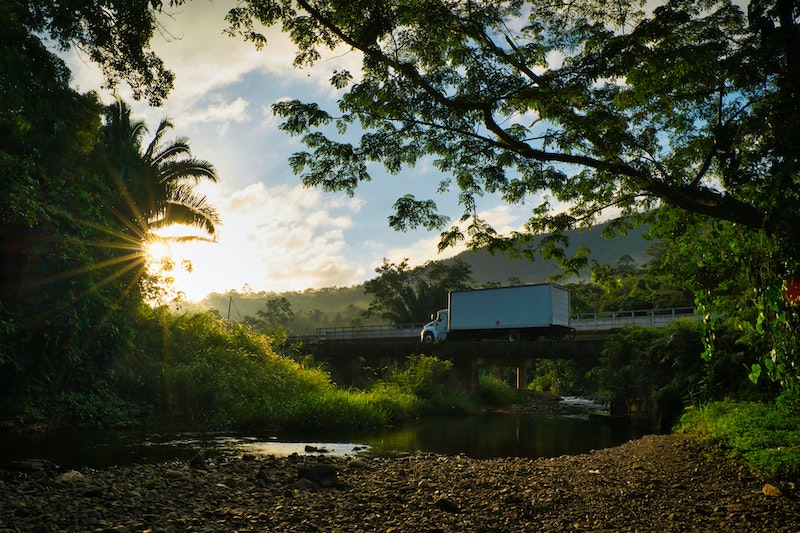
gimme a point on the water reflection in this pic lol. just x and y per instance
(515, 435)
(497, 435)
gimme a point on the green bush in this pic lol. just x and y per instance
(560, 377)
(496, 393)
(198, 371)
(651, 372)
(424, 378)
(220, 374)
(763, 437)
(100, 408)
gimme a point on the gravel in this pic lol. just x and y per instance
(657, 483)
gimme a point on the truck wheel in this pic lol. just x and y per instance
(514, 336)
(428, 338)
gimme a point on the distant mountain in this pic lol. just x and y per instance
(330, 300)
(499, 268)
(486, 268)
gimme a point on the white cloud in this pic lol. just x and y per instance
(505, 218)
(279, 238)
(423, 250)
(205, 59)
(222, 111)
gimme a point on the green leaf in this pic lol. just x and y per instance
(755, 373)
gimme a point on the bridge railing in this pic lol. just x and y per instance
(642, 317)
(392, 331)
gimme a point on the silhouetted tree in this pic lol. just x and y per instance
(406, 295)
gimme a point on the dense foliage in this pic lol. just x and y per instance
(692, 109)
(693, 103)
(114, 34)
(496, 392)
(198, 371)
(427, 379)
(78, 206)
(65, 277)
(738, 281)
(659, 371)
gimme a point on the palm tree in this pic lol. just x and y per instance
(155, 184)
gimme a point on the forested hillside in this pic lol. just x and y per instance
(331, 300)
(498, 268)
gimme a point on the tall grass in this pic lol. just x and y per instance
(222, 374)
(198, 371)
(424, 378)
(763, 437)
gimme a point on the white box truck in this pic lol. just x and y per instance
(522, 312)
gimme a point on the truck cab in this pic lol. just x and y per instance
(436, 329)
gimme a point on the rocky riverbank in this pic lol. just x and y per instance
(657, 483)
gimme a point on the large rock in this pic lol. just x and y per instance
(323, 475)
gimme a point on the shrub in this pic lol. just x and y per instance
(560, 377)
(652, 372)
(215, 374)
(496, 393)
(426, 378)
(763, 437)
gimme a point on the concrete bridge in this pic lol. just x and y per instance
(348, 349)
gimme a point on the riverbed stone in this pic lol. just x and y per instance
(447, 505)
(198, 460)
(772, 490)
(323, 475)
(70, 477)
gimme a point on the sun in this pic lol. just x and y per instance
(172, 261)
(156, 252)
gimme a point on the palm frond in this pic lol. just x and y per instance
(171, 151)
(163, 127)
(155, 185)
(189, 169)
(186, 207)
(137, 130)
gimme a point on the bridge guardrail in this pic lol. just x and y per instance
(641, 317)
(392, 331)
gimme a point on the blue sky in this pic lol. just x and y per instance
(276, 235)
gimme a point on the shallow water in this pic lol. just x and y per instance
(480, 436)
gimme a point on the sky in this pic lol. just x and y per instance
(275, 235)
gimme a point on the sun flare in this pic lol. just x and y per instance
(173, 261)
(156, 252)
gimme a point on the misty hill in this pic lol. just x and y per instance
(348, 302)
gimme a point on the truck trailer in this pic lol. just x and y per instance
(521, 312)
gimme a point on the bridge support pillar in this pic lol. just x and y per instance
(521, 379)
(464, 375)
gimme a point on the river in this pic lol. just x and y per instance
(479, 436)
